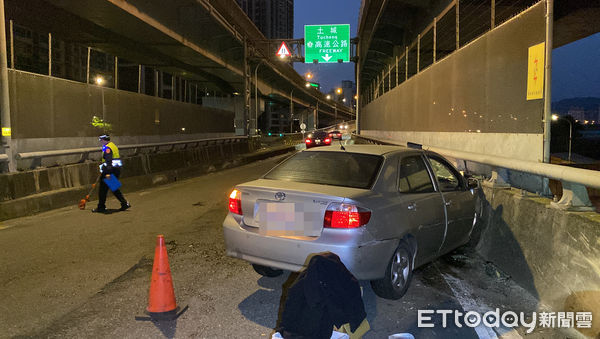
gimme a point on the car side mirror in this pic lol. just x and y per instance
(472, 183)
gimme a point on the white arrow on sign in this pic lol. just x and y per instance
(326, 57)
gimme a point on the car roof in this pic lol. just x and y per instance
(364, 149)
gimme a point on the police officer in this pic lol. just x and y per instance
(111, 166)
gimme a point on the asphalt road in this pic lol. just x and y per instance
(72, 273)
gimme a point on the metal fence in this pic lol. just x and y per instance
(84, 153)
(457, 25)
(574, 180)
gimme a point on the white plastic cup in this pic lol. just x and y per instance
(401, 336)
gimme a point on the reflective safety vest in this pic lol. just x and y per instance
(116, 159)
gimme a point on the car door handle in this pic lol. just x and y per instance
(412, 206)
(449, 202)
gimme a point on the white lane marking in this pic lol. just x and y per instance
(462, 292)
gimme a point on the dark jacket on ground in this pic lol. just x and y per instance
(323, 295)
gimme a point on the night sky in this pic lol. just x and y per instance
(575, 70)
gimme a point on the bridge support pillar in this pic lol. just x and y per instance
(6, 144)
(499, 179)
(574, 198)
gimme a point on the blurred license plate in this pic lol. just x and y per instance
(281, 218)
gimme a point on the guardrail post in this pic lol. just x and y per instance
(574, 198)
(84, 156)
(36, 162)
(499, 179)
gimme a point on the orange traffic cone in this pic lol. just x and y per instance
(161, 303)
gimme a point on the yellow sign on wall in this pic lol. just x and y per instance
(6, 131)
(535, 72)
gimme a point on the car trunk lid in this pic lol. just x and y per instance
(283, 208)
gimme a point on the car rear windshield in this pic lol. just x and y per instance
(319, 135)
(329, 168)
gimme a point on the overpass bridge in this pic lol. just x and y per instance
(145, 72)
(450, 75)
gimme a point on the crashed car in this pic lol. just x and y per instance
(384, 210)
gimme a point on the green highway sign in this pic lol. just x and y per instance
(326, 43)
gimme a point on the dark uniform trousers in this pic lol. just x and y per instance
(103, 190)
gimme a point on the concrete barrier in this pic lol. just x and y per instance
(552, 253)
(31, 192)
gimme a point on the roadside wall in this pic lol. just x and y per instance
(31, 192)
(50, 113)
(552, 253)
(473, 100)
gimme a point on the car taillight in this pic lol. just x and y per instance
(235, 202)
(327, 140)
(307, 141)
(340, 215)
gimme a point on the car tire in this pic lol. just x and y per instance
(267, 271)
(398, 274)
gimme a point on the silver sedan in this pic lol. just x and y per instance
(384, 210)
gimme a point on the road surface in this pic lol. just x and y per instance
(72, 273)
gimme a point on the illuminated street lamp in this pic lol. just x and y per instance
(307, 85)
(555, 117)
(309, 75)
(344, 100)
(99, 80)
(328, 96)
(338, 91)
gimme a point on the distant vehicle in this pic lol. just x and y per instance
(337, 135)
(384, 210)
(317, 138)
(344, 126)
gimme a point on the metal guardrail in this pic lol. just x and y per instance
(85, 151)
(574, 180)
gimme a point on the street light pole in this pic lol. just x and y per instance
(256, 96)
(316, 117)
(291, 109)
(570, 136)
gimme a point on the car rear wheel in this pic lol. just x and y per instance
(267, 271)
(397, 275)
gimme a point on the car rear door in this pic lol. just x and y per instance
(422, 205)
(458, 200)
